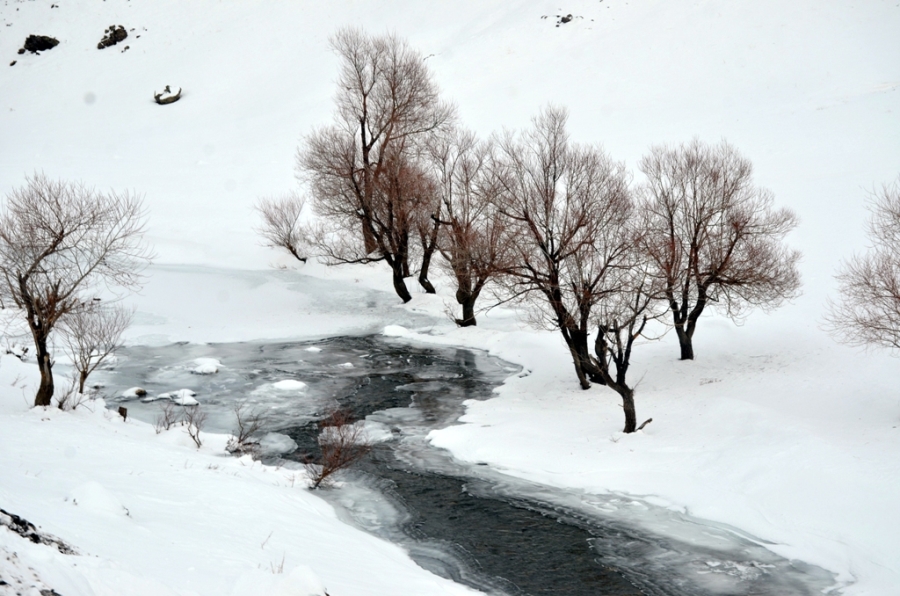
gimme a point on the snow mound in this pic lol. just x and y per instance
(206, 366)
(182, 397)
(301, 581)
(276, 444)
(395, 331)
(135, 392)
(93, 497)
(289, 385)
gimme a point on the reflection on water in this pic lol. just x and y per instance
(469, 523)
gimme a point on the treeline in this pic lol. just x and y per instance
(553, 225)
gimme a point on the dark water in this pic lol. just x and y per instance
(465, 522)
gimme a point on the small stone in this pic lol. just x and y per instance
(13, 63)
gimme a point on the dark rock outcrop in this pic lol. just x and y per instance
(113, 35)
(38, 43)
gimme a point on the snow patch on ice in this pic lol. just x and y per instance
(182, 397)
(289, 385)
(206, 366)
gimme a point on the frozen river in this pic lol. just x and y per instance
(463, 521)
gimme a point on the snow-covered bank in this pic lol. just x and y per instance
(151, 515)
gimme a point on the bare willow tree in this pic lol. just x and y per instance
(714, 237)
(387, 104)
(281, 225)
(91, 334)
(58, 240)
(621, 319)
(868, 312)
(474, 239)
(567, 206)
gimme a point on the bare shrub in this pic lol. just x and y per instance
(91, 334)
(248, 423)
(69, 397)
(868, 312)
(714, 237)
(281, 225)
(57, 241)
(363, 169)
(167, 417)
(194, 417)
(341, 443)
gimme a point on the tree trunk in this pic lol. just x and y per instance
(582, 353)
(399, 284)
(423, 276)
(82, 379)
(686, 342)
(628, 405)
(467, 300)
(429, 244)
(369, 241)
(579, 371)
(45, 389)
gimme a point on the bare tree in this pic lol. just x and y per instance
(57, 241)
(474, 238)
(281, 225)
(621, 319)
(362, 169)
(868, 312)
(567, 206)
(714, 238)
(91, 334)
(342, 444)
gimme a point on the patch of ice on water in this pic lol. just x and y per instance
(276, 444)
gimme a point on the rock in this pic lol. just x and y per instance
(134, 392)
(39, 43)
(13, 63)
(113, 35)
(167, 96)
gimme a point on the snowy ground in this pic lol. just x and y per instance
(774, 428)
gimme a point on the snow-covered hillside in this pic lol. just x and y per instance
(774, 429)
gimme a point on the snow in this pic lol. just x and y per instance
(206, 366)
(289, 385)
(774, 429)
(182, 397)
(134, 392)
